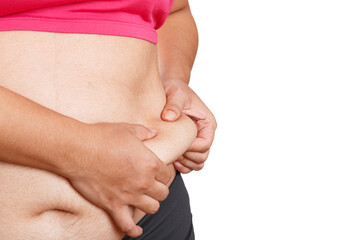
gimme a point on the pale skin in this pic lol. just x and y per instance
(177, 50)
(146, 183)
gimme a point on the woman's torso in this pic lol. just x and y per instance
(92, 78)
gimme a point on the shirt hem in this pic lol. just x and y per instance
(79, 26)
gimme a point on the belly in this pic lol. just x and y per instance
(92, 78)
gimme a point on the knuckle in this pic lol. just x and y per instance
(155, 207)
(144, 184)
(213, 120)
(199, 167)
(167, 175)
(152, 165)
(215, 123)
(165, 194)
(202, 158)
(206, 146)
(127, 227)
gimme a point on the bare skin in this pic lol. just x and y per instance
(100, 94)
(176, 53)
(102, 91)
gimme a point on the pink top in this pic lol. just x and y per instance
(130, 18)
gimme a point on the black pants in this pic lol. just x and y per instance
(173, 221)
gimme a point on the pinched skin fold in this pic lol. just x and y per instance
(91, 78)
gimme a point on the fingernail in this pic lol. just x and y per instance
(153, 130)
(178, 164)
(170, 115)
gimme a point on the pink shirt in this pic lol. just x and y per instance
(130, 18)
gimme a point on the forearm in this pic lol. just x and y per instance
(177, 45)
(35, 136)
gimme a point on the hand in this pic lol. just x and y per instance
(117, 171)
(181, 98)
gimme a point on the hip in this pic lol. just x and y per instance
(92, 79)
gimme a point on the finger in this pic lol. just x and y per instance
(163, 174)
(175, 102)
(123, 219)
(142, 133)
(197, 157)
(190, 164)
(200, 145)
(158, 191)
(145, 204)
(181, 168)
(204, 139)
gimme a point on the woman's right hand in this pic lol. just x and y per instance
(115, 171)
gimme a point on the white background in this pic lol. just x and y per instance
(283, 80)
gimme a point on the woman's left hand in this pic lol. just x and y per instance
(181, 98)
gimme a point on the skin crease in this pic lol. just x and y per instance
(133, 97)
(101, 100)
(177, 51)
(147, 118)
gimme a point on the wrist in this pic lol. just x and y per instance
(73, 150)
(174, 80)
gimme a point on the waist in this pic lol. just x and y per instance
(91, 78)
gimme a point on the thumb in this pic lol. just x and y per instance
(143, 133)
(173, 108)
(123, 219)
